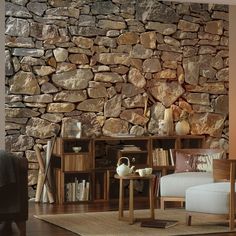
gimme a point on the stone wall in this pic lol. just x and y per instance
(115, 66)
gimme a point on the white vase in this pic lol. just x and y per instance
(168, 118)
(182, 127)
(79, 126)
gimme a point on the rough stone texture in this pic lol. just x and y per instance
(114, 58)
(60, 107)
(17, 27)
(108, 77)
(221, 104)
(151, 65)
(167, 93)
(136, 78)
(24, 83)
(73, 80)
(113, 126)
(140, 52)
(40, 128)
(198, 98)
(207, 123)
(134, 116)
(191, 68)
(70, 96)
(128, 38)
(100, 62)
(165, 29)
(155, 11)
(112, 107)
(92, 105)
(18, 143)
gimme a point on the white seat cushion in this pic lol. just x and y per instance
(175, 185)
(208, 198)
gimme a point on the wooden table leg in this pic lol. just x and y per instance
(131, 201)
(121, 200)
(151, 198)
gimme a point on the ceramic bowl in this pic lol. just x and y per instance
(76, 149)
(148, 171)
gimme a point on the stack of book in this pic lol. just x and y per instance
(161, 157)
(77, 191)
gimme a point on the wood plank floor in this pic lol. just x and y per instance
(39, 228)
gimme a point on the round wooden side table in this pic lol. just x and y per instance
(131, 179)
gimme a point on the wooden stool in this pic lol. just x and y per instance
(131, 179)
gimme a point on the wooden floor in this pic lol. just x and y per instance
(39, 228)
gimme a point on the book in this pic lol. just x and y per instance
(158, 223)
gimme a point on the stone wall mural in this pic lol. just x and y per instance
(116, 66)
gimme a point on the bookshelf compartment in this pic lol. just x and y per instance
(77, 162)
(77, 187)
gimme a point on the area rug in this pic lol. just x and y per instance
(107, 223)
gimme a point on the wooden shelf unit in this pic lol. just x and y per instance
(72, 169)
(97, 160)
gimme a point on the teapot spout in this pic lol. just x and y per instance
(131, 169)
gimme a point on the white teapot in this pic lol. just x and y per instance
(123, 169)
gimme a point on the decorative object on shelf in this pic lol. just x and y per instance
(168, 118)
(71, 128)
(76, 149)
(182, 127)
(162, 127)
(123, 169)
(144, 171)
(79, 126)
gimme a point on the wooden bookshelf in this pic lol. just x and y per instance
(96, 162)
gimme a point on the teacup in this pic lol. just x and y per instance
(141, 172)
(148, 171)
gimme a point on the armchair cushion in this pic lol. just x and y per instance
(190, 161)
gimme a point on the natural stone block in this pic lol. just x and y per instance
(83, 42)
(214, 27)
(114, 58)
(167, 92)
(130, 90)
(134, 116)
(55, 118)
(108, 77)
(223, 74)
(17, 27)
(151, 65)
(24, 83)
(38, 8)
(136, 78)
(148, 39)
(43, 98)
(139, 51)
(64, 11)
(105, 41)
(165, 74)
(207, 123)
(171, 56)
(104, 8)
(43, 70)
(114, 126)
(15, 10)
(97, 92)
(65, 66)
(81, 59)
(48, 88)
(40, 128)
(60, 54)
(109, 24)
(221, 104)
(191, 69)
(60, 107)
(184, 25)
(92, 105)
(211, 88)
(128, 38)
(73, 80)
(165, 29)
(134, 102)
(155, 11)
(71, 96)
(198, 98)
(28, 52)
(112, 107)
(18, 143)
